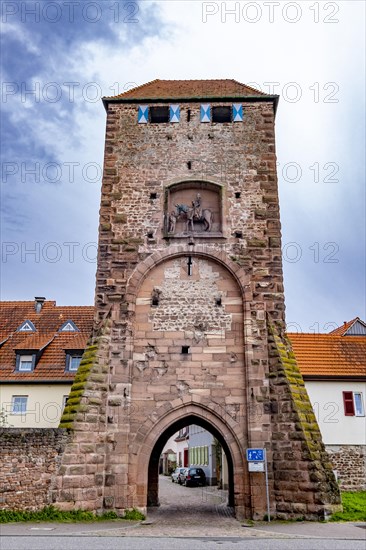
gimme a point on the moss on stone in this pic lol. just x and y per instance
(105, 227)
(120, 218)
(74, 403)
(306, 425)
(256, 243)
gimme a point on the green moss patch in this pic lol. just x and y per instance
(73, 405)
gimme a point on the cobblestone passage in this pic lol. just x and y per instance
(189, 505)
(188, 512)
(191, 512)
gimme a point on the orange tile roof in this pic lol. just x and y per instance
(187, 89)
(51, 364)
(33, 341)
(329, 354)
(346, 325)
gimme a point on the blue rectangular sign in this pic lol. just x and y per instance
(256, 455)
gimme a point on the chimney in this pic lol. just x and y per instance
(38, 303)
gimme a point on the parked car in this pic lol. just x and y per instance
(193, 476)
(176, 475)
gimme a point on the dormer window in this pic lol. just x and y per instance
(69, 326)
(73, 359)
(25, 363)
(26, 326)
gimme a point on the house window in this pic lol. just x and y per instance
(222, 114)
(25, 363)
(69, 326)
(206, 456)
(358, 401)
(73, 362)
(353, 403)
(159, 114)
(26, 326)
(64, 401)
(19, 404)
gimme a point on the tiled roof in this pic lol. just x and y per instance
(345, 327)
(187, 89)
(51, 364)
(33, 341)
(329, 354)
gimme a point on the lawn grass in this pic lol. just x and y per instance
(49, 513)
(354, 507)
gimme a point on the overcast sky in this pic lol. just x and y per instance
(59, 58)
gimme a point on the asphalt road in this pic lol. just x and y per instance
(188, 518)
(165, 543)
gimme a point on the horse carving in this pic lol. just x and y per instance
(204, 216)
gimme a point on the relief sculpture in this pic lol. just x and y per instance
(194, 213)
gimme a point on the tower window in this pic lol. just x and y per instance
(237, 195)
(153, 196)
(221, 114)
(159, 114)
(189, 165)
(185, 350)
(188, 115)
(189, 265)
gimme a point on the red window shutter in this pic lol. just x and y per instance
(349, 408)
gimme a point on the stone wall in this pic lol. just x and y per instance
(29, 460)
(157, 367)
(304, 481)
(349, 461)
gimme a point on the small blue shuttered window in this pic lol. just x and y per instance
(205, 112)
(143, 114)
(220, 114)
(238, 112)
(157, 114)
(174, 113)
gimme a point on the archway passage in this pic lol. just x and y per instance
(153, 467)
(188, 367)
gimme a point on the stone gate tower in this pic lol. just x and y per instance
(190, 319)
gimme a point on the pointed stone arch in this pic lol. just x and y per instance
(166, 420)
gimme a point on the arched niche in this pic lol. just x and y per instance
(193, 208)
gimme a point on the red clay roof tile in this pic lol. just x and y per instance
(51, 364)
(329, 354)
(186, 89)
(344, 328)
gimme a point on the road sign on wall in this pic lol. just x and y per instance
(256, 455)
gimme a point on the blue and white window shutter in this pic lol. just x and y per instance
(143, 114)
(238, 114)
(205, 112)
(174, 113)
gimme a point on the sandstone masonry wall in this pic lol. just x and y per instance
(29, 460)
(350, 463)
(137, 383)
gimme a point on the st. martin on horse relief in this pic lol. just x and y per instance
(192, 214)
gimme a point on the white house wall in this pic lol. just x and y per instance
(327, 400)
(44, 404)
